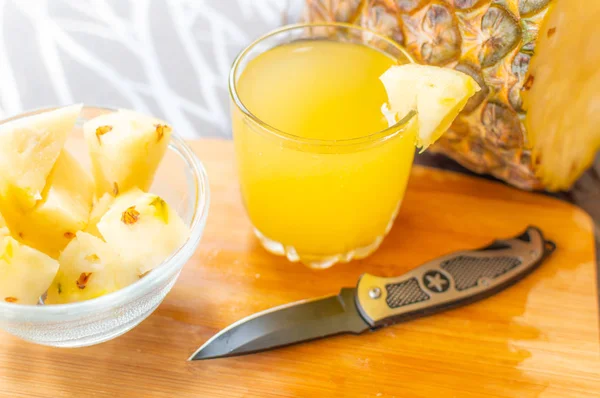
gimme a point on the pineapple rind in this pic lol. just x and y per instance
(496, 43)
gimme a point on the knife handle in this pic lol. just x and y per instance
(452, 280)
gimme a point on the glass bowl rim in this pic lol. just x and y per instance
(380, 135)
(122, 296)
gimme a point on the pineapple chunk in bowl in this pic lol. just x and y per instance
(182, 182)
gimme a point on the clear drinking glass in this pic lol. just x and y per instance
(317, 199)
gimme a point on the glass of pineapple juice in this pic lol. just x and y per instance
(322, 173)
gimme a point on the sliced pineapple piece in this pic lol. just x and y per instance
(100, 208)
(89, 268)
(63, 210)
(2, 222)
(25, 273)
(143, 229)
(126, 148)
(437, 94)
(29, 147)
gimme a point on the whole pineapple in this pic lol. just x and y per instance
(533, 124)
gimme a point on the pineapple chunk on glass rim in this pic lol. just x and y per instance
(436, 94)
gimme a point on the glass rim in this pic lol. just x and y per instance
(370, 137)
(160, 272)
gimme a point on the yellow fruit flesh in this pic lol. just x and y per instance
(63, 210)
(29, 148)
(89, 268)
(563, 99)
(126, 149)
(143, 230)
(100, 208)
(25, 273)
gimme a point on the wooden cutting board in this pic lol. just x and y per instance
(538, 338)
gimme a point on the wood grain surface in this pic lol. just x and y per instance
(537, 339)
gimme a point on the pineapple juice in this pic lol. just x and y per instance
(321, 173)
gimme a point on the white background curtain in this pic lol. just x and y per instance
(169, 58)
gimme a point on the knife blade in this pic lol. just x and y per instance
(444, 283)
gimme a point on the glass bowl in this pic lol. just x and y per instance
(181, 180)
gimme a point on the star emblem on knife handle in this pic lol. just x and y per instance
(436, 281)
